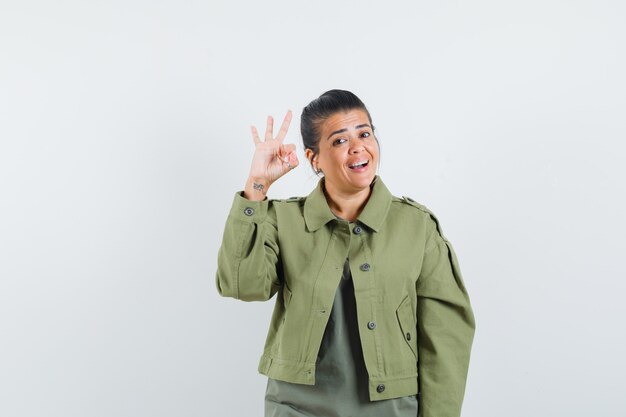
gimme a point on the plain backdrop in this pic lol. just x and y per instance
(124, 134)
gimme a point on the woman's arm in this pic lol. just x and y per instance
(248, 257)
(445, 325)
(247, 262)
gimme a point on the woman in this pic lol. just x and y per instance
(372, 317)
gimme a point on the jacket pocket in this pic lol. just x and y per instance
(408, 323)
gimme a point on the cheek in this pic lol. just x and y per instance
(373, 149)
(333, 156)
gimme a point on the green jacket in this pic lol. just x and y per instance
(415, 320)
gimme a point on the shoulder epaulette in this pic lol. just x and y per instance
(425, 209)
(414, 203)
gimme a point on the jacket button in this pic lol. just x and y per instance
(371, 325)
(365, 267)
(408, 336)
(357, 230)
(380, 387)
(248, 211)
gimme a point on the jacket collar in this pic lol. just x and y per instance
(317, 212)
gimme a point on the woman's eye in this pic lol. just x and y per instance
(365, 134)
(339, 141)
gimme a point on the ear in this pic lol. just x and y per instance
(310, 155)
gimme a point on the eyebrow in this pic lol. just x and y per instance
(345, 130)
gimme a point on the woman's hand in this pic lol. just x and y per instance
(272, 159)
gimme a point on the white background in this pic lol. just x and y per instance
(124, 129)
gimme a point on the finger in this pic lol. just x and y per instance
(284, 150)
(291, 161)
(269, 128)
(284, 127)
(287, 154)
(255, 135)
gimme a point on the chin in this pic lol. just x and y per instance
(363, 182)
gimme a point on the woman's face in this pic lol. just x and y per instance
(348, 152)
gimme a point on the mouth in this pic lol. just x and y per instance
(359, 165)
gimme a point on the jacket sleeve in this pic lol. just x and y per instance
(247, 261)
(445, 326)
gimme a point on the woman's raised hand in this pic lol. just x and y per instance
(272, 159)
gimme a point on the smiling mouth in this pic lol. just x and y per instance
(358, 165)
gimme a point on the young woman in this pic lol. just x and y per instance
(372, 317)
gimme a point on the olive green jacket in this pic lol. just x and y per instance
(415, 320)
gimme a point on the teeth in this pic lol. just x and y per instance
(358, 163)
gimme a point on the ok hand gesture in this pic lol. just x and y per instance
(272, 159)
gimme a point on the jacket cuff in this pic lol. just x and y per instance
(247, 210)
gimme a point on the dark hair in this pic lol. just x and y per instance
(323, 107)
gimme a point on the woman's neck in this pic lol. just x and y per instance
(346, 205)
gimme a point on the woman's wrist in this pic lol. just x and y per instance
(256, 189)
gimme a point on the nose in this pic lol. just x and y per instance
(356, 146)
